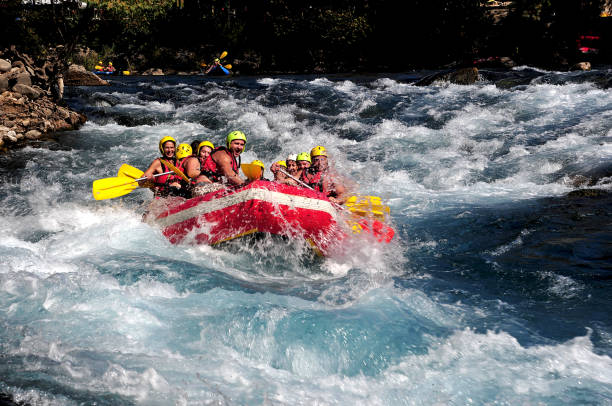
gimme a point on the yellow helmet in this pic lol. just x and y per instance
(318, 150)
(304, 156)
(282, 163)
(163, 141)
(183, 150)
(110, 63)
(236, 135)
(205, 144)
(258, 163)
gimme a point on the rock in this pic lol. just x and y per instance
(157, 72)
(588, 193)
(27, 91)
(77, 75)
(33, 134)
(5, 65)
(23, 79)
(581, 66)
(11, 136)
(4, 83)
(507, 62)
(465, 76)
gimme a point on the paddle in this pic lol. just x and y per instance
(224, 70)
(228, 66)
(223, 55)
(130, 171)
(109, 188)
(251, 171)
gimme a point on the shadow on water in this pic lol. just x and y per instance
(545, 262)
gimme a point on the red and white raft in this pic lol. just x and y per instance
(264, 207)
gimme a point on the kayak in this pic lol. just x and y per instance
(101, 72)
(219, 71)
(261, 207)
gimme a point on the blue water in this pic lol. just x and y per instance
(496, 289)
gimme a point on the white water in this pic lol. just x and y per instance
(99, 307)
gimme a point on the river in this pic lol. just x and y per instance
(495, 290)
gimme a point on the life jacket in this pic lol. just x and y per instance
(319, 181)
(165, 179)
(162, 183)
(212, 171)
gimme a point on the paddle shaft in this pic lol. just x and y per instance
(311, 188)
(136, 180)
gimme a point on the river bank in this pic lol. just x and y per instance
(31, 103)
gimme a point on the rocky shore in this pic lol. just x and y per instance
(30, 99)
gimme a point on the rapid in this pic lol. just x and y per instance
(495, 290)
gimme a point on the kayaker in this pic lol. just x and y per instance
(166, 184)
(215, 64)
(194, 164)
(109, 68)
(320, 178)
(224, 162)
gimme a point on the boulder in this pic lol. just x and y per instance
(157, 72)
(33, 134)
(27, 91)
(581, 66)
(465, 76)
(77, 75)
(4, 83)
(23, 79)
(5, 65)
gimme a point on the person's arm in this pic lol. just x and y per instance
(192, 168)
(154, 168)
(225, 164)
(340, 192)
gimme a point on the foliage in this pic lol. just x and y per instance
(293, 36)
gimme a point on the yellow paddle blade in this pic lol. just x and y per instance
(223, 55)
(130, 172)
(252, 172)
(109, 188)
(367, 206)
(203, 64)
(228, 66)
(175, 170)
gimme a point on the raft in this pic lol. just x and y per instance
(260, 207)
(102, 72)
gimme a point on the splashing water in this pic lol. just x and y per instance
(493, 291)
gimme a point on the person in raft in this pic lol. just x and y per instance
(320, 178)
(166, 184)
(223, 164)
(279, 176)
(194, 164)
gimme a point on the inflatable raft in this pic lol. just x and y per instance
(260, 207)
